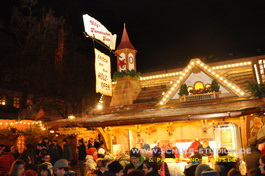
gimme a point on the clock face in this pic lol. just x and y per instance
(131, 61)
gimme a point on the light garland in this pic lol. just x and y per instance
(197, 62)
(100, 103)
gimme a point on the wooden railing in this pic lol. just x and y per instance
(197, 97)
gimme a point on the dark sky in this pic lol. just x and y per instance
(168, 34)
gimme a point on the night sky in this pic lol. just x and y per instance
(168, 34)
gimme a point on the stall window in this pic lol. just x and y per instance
(207, 86)
(190, 89)
(16, 103)
(262, 70)
(198, 85)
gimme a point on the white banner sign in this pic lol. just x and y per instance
(96, 30)
(103, 72)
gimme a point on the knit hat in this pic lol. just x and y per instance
(135, 152)
(209, 172)
(91, 150)
(115, 167)
(101, 151)
(61, 163)
(200, 168)
(46, 166)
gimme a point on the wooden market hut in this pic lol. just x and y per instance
(149, 109)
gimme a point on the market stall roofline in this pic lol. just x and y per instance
(166, 113)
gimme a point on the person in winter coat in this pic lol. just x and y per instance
(157, 157)
(115, 169)
(17, 168)
(81, 156)
(225, 162)
(91, 158)
(67, 151)
(150, 168)
(6, 161)
(136, 160)
(190, 169)
(122, 158)
(252, 157)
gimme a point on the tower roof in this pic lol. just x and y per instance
(125, 41)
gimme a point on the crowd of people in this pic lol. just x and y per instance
(49, 158)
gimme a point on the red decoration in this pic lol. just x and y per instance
(122, 63)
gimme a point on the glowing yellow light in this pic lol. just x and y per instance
(167, 96)
(228, 65)
(71, 117)
(233, 87)
(202, 64)
(99, 106)
(213, 73)
(225, 66)
(205, 67)
(221, 78)
(178, 81)
(241, 63)
(225, 81)
(183, 74)
(166, 74)
(198, 62)
(163, 93)
(164, 99)
(180, 77)
(209, 70)
(175, 85)
(213, 68)
(1, 123)
(161, 103)
(189, 66)
(192, 63)
(245, 63)
(186, 70)
(229, 84)
(233, 65)
(237, 90)
(172, 88)
(242, 93)
(217, 76)
(249, 63)
(169, 92)
(11, 123)
(6, 123)
(51, 131)
(237, 65)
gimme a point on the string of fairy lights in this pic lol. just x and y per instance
(182, 75)
(6, 123)
(209, 70)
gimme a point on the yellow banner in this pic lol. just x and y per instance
(103, 72)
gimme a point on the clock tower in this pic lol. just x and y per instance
(126, 53)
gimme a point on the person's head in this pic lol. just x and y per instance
(46, 157)
(205, 143)
(116, 168)
(40, 146)
(209, 172)
(196, 158)
(136, 172)
(150, 166)
(255, 172)
(103, 165)
(7, 149)
(30, 173)
(17, 168)
(45, 140)
(262, 164)
(234, 172)
(200, 168)
(92, 151)
(61, 167)
(55, 142)
(13, 149)
(45, 169)
(135, 156)
(252, 142)
(222, 151)
(81, 142)
(156, 151)
(64, 141)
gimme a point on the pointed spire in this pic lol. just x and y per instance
(125, 41)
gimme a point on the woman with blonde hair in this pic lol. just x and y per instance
(17, 168)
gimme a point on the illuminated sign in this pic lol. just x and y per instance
(103, 72)
(96, 30)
